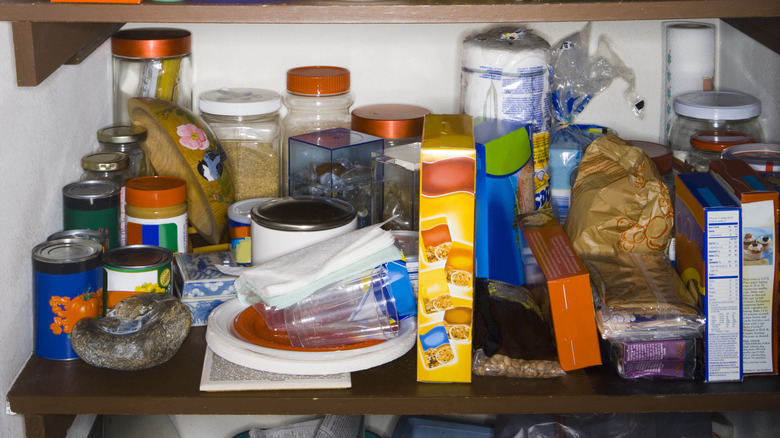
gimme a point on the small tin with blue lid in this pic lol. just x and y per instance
(68, 286)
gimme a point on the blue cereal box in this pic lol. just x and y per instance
(200, 285)
(708, 246)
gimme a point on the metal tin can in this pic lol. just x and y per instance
(95, 236)
(239, 228)
(68, 285)
(93, 205)
(135, 269)
(282, 225)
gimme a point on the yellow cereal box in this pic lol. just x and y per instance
(446, 252)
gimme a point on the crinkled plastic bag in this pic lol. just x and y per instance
(619, 203)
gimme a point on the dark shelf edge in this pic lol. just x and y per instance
(765, 30)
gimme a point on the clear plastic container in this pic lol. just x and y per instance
(710, 111)
(317, 98)
(762, 157)
(709, 145)
(246, 122)
(151, 62)
(126, 139)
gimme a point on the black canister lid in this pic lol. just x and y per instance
(91, 195)
(303, 213)
(66, 256)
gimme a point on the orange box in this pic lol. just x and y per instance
(759, 202)
(568, 283)
(448, 164)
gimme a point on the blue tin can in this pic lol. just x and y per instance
(68, 286)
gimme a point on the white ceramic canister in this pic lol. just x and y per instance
(240, 229)
(283, 225)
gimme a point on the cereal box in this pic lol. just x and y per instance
(446, 249)
(759, 202)
(568, 283)
(708, 253)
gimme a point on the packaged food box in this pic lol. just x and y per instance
(200, 285)
(335, 163)
(505, 187)
(568, 283)
(759, 202)
(446, 249)
(708, 254)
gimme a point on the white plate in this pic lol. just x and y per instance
(219, 332)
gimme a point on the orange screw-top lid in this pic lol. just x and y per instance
(151, 42)
(716, 141)
(155, 191)
(318, 80)
(389, 120)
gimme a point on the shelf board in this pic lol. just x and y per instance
(47, 387)
(380, 11)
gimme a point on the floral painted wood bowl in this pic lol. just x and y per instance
(179, 143)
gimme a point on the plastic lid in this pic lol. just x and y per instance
(389, 120)
(716, 141)
(122, 134)
(105, 161)
(764, 157)
(156, 191)
(400, 287)
(717, 105)
(304, 213)
(241, 211)
(151, 42)
(661, 155)
(240, 101)
(318, 80)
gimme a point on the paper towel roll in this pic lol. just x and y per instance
(689, 64)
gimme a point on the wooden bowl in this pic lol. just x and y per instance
(181, 144)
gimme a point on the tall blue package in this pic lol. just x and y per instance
(504, 189)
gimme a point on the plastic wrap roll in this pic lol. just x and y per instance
(506, 75)
(689, 64)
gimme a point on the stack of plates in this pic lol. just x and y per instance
(222, 336)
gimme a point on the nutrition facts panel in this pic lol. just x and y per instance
(723, 295)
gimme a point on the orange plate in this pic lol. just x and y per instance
(250, 326)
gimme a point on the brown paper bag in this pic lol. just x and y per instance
(618, 203)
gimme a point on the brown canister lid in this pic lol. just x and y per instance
(661, 155)
(151, 42)
(318, 80)
(389, 120)
(716, 141)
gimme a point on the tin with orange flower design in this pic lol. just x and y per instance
(67, 282)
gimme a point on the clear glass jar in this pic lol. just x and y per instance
(317, 98)
(151, 62)
(246, 122)
(127, 140)
(711, 111)
(709, 145)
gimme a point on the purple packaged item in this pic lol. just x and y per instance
(675, 358)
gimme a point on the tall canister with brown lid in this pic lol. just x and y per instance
(151, 62)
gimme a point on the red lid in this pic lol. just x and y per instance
(318, 80)
(661, 155)
(389, 120)
(155, 191)
(151, 42)
(716, 141)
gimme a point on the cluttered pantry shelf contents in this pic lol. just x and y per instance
(313, 239)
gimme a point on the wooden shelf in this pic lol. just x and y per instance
(47, 391)
(47, 35)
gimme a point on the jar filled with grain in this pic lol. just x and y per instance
(317, 98)
(246, 122)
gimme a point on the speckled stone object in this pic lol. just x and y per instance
(140, 332)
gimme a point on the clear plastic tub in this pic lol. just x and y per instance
(762, 157)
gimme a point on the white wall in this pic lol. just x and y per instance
(49, 127)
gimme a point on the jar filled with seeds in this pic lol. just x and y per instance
(246, 122)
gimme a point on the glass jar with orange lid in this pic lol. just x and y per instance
(317, 98)
(151, 62)
(708, 146)
(156, 212)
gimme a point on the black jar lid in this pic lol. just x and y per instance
(303, 213)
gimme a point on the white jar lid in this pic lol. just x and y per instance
(717, 105)
(239, 101)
